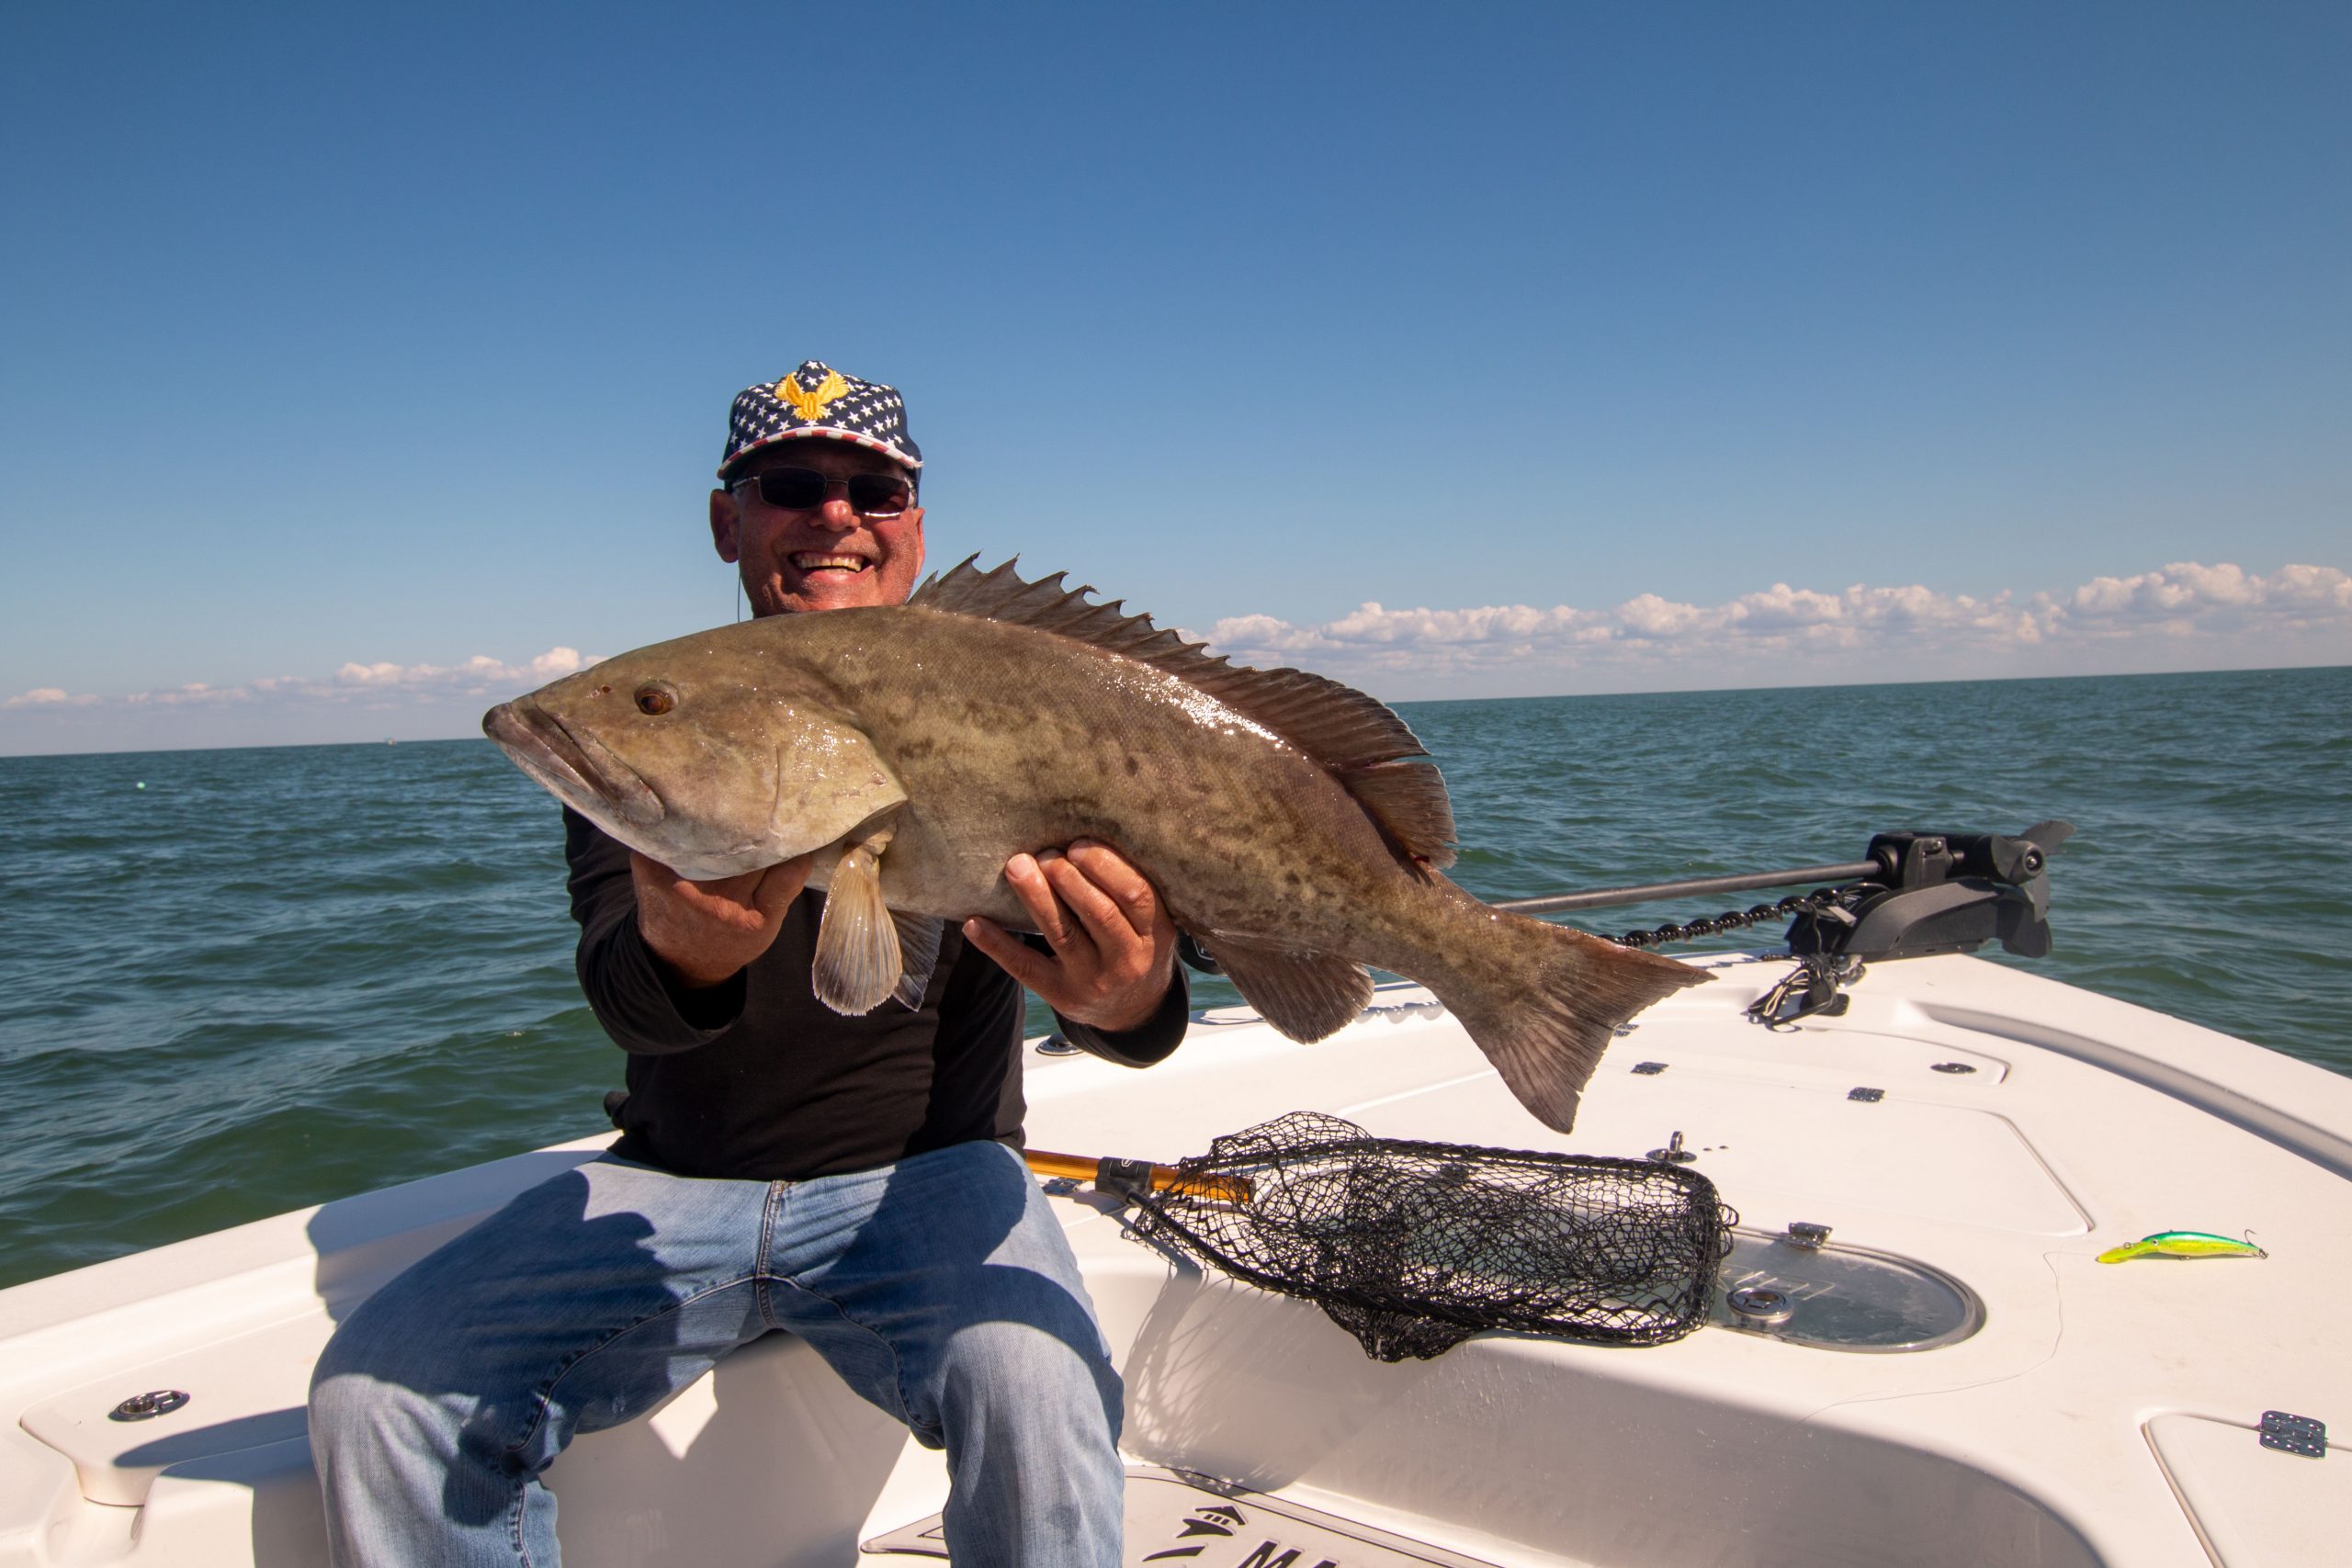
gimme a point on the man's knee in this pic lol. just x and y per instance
(390, 1337)
(348, 1407)
(387, 1384)
(364, 1384)
(1020, 1375)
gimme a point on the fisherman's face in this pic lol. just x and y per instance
(823, 557)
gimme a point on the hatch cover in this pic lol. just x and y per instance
(2254, 1505)
(1181, 1520)
(1836, 1297)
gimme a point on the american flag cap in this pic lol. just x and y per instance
(819, 401)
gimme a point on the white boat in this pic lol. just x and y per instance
(1949, 1377)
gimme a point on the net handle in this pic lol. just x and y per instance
(1105, 1170)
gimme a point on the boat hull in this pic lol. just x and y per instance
(2081, 1413)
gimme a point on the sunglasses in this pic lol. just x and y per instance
(804, 489)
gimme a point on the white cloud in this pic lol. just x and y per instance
(2179, 616)
(360, 699)
(1649, 615)
(49, 697)
(374, 685)
(480, 673)
(2185, 591)
(2168, 618)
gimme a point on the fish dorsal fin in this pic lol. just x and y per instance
(1365, 746)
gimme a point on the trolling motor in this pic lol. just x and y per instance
(1914, 894)
(1932, 893)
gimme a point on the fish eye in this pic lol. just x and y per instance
(656, 698)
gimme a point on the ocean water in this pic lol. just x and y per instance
(238, 982)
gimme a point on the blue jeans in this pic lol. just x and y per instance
(941, 1288)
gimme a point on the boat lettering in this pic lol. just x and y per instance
(1264, 1558)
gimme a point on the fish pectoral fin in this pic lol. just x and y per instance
(1305, 994)
(858, 957)
(918, 955)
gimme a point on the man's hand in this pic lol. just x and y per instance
(1113, 945)
(705, 931)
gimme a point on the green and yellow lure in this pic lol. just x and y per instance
(2183, 1244)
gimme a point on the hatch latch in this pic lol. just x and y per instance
(2294, 1434)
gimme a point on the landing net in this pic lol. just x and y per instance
(1413, 1247)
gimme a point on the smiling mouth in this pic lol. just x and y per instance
(809, 560)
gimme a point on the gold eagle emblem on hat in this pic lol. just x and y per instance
(809, 405)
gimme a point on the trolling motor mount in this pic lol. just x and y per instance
(1939, 893)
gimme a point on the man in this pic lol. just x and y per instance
(780, 1166)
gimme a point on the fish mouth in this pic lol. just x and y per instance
(580, 769)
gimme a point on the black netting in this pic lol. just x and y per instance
(1413, 1247)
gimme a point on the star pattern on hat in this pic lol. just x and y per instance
(819, 400)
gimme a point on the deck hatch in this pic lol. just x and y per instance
(2251, 1506)
(1835, 1297)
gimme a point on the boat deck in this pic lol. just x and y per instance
(2082, 1413)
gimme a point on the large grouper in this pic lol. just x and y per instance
(1292, 825)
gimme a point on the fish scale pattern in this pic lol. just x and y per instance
(1367, 748)
(1413, 1247)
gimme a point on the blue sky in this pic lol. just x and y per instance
(363, 366)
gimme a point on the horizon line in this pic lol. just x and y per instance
(1401, 703)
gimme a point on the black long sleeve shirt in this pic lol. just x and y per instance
(757, 1079)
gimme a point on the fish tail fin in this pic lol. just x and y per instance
(1544, 1002)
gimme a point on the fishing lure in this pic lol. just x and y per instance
(2183, 1244)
